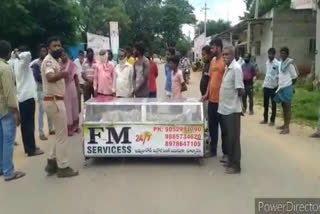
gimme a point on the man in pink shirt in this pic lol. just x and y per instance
(178, 83)
(88, 68)
(104, 76)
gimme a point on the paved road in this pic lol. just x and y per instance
(273, 166)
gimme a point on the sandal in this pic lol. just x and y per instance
(15, 176)
(70, 133)
(285, 131)
(315, 135)
(77, 130)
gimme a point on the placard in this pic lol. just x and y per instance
(143, 140)
(114, 37)
(97, 42)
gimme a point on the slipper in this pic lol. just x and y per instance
(15, 176)
(315, 135)
(77, 130)
(70, 133)
(36, 153)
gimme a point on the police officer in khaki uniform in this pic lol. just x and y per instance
(54, 91)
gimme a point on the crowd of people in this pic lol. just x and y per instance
(226, 84)
(58, 84)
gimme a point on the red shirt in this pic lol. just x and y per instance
(153, 74)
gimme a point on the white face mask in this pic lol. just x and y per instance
(122, 61)
(104, 58)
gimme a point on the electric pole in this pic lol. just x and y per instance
(256, 12)
(205, 18)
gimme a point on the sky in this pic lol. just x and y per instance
(229, 10)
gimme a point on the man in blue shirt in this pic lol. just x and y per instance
(36, 68)
(168, 88)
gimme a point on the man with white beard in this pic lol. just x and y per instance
(123, 76)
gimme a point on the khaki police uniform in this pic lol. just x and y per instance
(55, 108)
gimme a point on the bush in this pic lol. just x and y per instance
(303, 84)
(305, 105)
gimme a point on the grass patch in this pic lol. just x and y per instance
(305, 105)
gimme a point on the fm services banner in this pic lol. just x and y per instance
(114, 37)
(97, 42)
(303, 4)
(143, 140)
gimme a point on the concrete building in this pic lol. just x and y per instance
(295, 29)
(199, 42)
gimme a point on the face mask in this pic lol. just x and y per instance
(104, 58)
(90, 57)
(56, 54)
(123, 61)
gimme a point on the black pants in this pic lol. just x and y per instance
(248, 93)
(27, 111)
(268, 94)
(153, 95)
(231, 124)
(214, 120)
(87, 92)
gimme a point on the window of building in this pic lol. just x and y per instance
(258, 48)
(312, 46)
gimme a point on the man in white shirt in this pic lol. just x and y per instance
(123, 76)
(26, 88)
(79, 62)
(270, 86)
(231, 92)
(284, 94)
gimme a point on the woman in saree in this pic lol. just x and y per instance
(71, 95)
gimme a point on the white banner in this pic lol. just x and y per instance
(143, 140)
(114, 37)
(303, 4)
(97, 42)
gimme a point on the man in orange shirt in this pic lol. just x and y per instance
(216, 73)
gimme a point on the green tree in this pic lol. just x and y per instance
(155, 21)
(183, 46)
(96, 15)
(175, 13)
(145, 16)
(213, 27)
(266, 5)
(32, 22)
(171, 29)
(185, 10)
